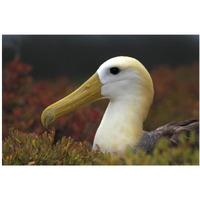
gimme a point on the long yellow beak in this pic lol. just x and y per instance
(85, 94)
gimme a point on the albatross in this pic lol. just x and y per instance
(129, 87)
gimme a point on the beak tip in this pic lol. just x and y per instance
(45, 125)
(47, 118)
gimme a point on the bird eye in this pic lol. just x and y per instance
(114, 70)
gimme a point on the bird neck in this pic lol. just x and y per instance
(121, 126)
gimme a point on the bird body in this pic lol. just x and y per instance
(129, 87)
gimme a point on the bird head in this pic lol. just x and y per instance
(120, 77)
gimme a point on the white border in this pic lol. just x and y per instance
(99, 17)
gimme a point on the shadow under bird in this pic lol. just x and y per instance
(129, 87)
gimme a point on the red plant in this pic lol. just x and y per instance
(24, 99)
(176, 95)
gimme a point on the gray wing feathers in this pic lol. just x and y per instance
(172, 131)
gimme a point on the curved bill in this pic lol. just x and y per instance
(85, 94)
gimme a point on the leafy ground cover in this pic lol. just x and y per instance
(32, 149)
(25, 141)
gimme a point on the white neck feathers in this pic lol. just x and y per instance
(130, 94)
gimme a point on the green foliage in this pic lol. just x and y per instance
(32, 149)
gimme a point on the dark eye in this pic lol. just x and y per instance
(114, 70)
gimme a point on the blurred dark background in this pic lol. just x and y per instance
(80, 55)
